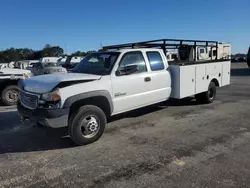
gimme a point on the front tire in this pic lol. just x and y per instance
(208, 96)
(10, 95)
(87, 125)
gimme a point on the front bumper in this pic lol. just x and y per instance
(54, 118)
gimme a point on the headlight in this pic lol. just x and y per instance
(30, 74)
(25, 76)
(51, 96)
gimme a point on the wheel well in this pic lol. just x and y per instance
(7, 83)
(216, 82)
(99, 101)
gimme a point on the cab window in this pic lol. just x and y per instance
(134, 58)
(155, 61)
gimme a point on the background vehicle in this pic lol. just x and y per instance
(122, 78)
(240, 59)
(49, 59)
(202, 53)
(9, 92)
(70, 62)
(45, 68)
(171, 56)
(248, 58)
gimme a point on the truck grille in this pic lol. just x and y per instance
(28, 100)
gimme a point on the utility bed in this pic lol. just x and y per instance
(190, 79)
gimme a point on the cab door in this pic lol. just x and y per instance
(130, 91)
(160, 86)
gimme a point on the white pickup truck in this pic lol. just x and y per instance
(111, 82)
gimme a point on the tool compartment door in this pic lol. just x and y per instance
(183, 81)
(200, 79)
(213, 71)
(187, 81)
(226, 71)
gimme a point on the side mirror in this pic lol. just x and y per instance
(130, 69)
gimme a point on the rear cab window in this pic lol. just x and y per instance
(155, 60)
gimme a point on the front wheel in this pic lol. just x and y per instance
(208, 96)
(10, 95)
(87, 125)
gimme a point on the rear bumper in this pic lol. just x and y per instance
(54, 118)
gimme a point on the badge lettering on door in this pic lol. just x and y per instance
(119, 94)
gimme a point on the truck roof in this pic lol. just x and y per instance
(164, 44)
(124, 50)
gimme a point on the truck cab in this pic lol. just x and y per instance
(131, 79)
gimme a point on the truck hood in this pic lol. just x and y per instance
(45, 83)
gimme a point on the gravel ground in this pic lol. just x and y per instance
(175, 144)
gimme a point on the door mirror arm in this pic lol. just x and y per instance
(127, 70)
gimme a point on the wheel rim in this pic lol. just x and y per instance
(89, 126)
(211, 93)
(12, 96)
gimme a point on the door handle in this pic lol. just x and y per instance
(147, 79)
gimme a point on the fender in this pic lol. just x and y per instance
(71, 100)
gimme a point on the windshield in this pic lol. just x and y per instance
(97, 63)
(50, 65)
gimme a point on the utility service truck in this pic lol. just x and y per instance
(122, 78)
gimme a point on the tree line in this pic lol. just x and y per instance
(18, 54)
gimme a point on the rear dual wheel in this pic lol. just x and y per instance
(208, 96)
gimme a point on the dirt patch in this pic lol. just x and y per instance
(131, 125)
(139, 140)
(127, 172)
